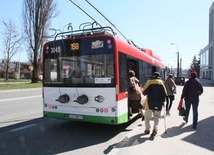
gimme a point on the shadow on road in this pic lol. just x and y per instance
(203, 136)
(46, 136)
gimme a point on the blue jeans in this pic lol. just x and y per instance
(195, 112)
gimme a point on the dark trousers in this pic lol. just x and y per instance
(168, 102)
(195, 112)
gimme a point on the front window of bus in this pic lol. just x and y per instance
(79, 62)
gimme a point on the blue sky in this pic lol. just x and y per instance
(149, 23)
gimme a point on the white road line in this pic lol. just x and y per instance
(23, 127)
(20, 98)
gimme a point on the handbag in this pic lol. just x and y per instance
(180, 105)
(181, 108)
(143, 100)
(182, 112)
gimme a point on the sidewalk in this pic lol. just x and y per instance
(180, 138)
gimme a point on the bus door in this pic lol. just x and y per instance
(133, 64)
(154, 69)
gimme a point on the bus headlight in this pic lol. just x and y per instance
(99, 98)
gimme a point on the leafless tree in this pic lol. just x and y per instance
(36, 19)
(11, 43)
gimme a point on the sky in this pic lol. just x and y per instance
(152, 24)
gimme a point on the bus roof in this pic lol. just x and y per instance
(144, 54)
(147, 55)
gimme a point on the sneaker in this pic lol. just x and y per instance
(167, 113)
(147, 132)
(184, 120)
(154, 133)
(194, 126)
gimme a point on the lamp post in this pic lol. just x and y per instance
(180, 66)
(177, 59)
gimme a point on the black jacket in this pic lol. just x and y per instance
(156, 93)
(191, 91)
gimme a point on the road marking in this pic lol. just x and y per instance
(22, 128)
(20, 98)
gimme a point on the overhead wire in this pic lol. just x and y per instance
(180, 19)
(107, 19)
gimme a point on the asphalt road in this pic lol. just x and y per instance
(23, 131)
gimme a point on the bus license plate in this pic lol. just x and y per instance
(71, 116)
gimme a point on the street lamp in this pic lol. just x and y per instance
(177, 59)
(180, 67)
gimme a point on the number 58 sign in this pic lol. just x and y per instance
(75, 46)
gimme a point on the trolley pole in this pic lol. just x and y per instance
(178, 64)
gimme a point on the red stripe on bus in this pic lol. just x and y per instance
(121, 96)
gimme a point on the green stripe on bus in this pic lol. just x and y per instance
(95, 119)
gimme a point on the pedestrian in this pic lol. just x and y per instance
(134, 95)
(191, 91)
(171, 90)
(155, 91)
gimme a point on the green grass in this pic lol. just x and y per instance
(15, 80)
(18, 84)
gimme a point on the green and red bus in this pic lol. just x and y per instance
(85, 74)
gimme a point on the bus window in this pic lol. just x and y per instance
(50, 70)
(123, 72)
(96, 62)
(144, 71)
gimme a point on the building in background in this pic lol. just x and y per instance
(207, 53)
(205, 63)
(14, 69)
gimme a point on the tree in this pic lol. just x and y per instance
(36, 19)
(12, 42)
(195, 65)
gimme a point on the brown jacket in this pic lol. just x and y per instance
(170, 86)
(134, 91)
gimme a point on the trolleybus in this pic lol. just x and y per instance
(85, 74)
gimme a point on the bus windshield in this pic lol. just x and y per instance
(79, 62)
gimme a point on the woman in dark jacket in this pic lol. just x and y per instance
(191, 92)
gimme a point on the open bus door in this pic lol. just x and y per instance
(133, 64)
